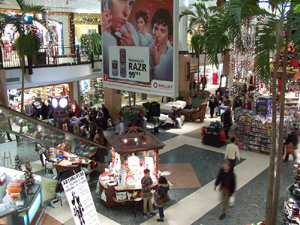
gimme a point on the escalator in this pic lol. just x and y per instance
(25, 126)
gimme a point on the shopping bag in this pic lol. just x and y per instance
(231, 200)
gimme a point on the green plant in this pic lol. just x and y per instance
(130, 111)
(92, 43)
(154, 120)
(199, 94)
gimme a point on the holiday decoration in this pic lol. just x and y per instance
(29, 180)
(18, 163)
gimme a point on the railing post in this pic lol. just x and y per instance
(29, 61)
(78, 55)
(1, 59)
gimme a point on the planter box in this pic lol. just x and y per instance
(196, 102)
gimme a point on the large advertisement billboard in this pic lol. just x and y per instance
(138, 42)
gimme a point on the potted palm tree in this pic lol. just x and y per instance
(269, 40)
(28, 43)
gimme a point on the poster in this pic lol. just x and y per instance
(139, 46)
(8, 151)
(80, 199)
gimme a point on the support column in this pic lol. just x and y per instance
(183, 81)
(72, 33)
(76, 94)
(113, 100)
(183, 33)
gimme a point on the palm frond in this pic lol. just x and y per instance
(297, 8)
(293, 27)
(187, 12)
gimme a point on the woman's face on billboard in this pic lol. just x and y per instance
(140, 23)
(120, 11)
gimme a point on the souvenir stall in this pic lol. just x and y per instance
(254, 131)
(132, 152)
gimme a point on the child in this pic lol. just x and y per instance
(142, 18)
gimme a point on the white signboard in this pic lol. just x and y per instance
(80, 199)
(8, 152)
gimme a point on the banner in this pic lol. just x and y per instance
(139, 46)
(80, 199)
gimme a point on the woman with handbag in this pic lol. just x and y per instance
(162, 196)
(292, 143)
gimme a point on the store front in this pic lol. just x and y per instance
(37, 95)
(91, 92)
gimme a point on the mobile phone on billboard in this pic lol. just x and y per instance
(123, 62)
(105, 7)
(114, 65)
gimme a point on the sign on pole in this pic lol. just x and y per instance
(80, 200)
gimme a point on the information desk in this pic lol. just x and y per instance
(133, 140)
(110, 199)
(24, 214)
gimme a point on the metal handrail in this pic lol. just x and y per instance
(50, 127)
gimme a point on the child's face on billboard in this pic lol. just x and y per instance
(140, 23)
(120, 11)
(160, 34)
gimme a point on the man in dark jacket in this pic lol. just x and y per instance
(175, 115)
(292, 143)
(106, 116)
(227, 121)
(212, 105)
(82, 116)
(237, 102)
(226, 178)
(204, 82)
(138, 118)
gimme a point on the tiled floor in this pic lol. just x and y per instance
(193, 168)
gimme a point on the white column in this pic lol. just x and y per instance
(183, 32)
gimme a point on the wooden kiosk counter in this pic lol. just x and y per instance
(132, 152)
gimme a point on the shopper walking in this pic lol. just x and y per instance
(212, 105)
(226, 178)
(99, 117)
(218, 100)
(138, 118)
(232, 153)
(203, 82)
(162, 190)
(291, 144)
(105, 117)
(227, 121)
(146, 191)
(119, 126)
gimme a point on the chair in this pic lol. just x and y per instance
(137, 202)
(200, 114)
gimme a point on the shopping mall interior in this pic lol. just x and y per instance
(89, 103)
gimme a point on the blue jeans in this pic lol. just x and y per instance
(161, 212)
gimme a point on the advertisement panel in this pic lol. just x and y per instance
(80, 199)
(138, 42)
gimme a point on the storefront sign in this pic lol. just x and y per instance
(80, 199)
(137, 57)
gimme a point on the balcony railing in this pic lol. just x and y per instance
(51, 56)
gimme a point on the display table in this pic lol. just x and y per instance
(25, 213)
(212, 139)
